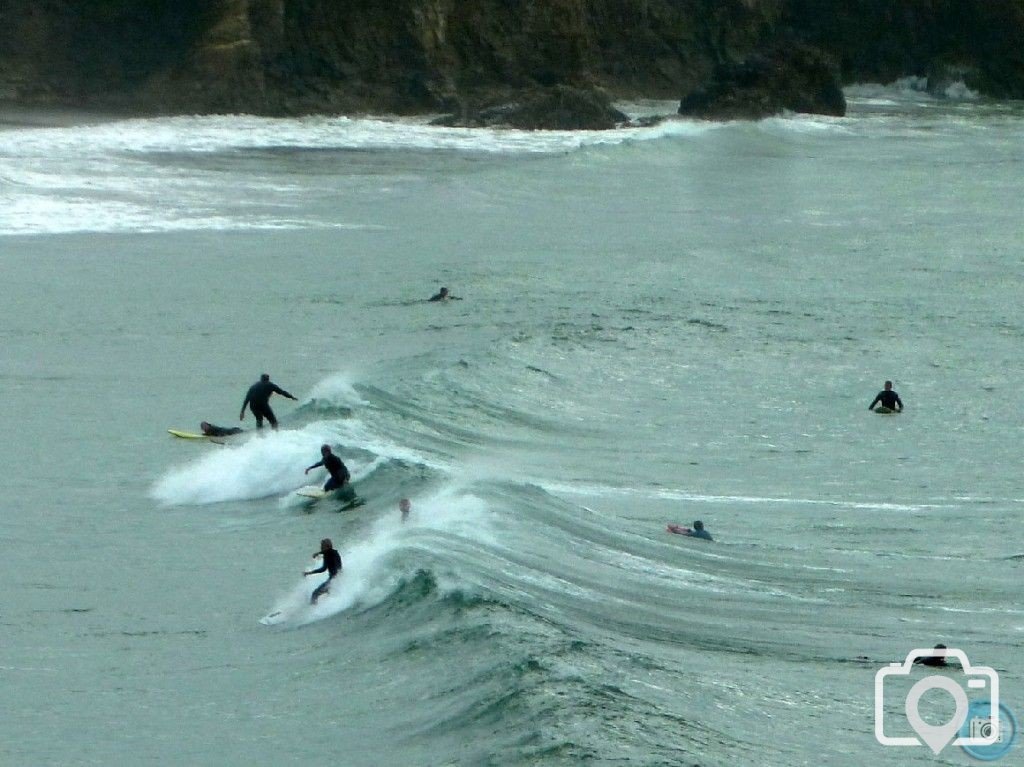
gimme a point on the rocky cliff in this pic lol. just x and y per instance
(408, 56)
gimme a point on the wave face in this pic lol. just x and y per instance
(657, 326)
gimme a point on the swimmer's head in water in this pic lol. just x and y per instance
(444, 291)
(404, 505)
(205, 427)
(265, 377)
(698, 525)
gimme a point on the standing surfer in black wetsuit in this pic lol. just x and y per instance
(332, 565)
(257, 399)
(888, 398)
(335, 467)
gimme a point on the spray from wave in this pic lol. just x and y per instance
(374, 567)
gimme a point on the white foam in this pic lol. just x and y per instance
(682, 495)
(225, 133)
(273, 463)
(368, 574)
(338, 389)
(148, 175)
(268, 464)
(959, 91)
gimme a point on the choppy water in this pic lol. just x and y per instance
(658, 325)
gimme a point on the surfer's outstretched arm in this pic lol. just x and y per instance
(321, 569)
(283, 393)
(245, 404)
(316, 465)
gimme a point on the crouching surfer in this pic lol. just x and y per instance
(338, 471)
(331, 565)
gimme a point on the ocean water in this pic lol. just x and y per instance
(657, 325)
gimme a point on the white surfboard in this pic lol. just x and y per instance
(192, 435)
(312, 491)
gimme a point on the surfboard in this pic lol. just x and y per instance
(883, 410)
(315, 492)
(678, 529)
(186, 434)
(199, 437)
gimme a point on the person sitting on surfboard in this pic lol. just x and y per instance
(257, 399)
(444, 295)
(332, 564)
(335, 467)
(890, 400)
(697, 531)
(209, 430)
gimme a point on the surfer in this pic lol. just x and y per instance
(209, 430)
(698, 531)
(335, 467)
(257, 399)
(890, 400)
(405, 507)
(938, 658)
(444, 295)
(332, 565)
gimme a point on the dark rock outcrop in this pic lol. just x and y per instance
(556, 108)
(793, 77)
(884, 40)
(418, 56)
(396, 56)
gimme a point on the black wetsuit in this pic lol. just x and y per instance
(221, 431)
(332, 564)
(258, 401)
(337, 469)
(889, 399)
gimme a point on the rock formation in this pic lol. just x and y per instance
(421, 56)
(789, 76)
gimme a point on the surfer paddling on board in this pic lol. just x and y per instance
(889, 400)
(443, 295)
(257, 399)
(331, 565)
(209, 430)
(338, 471)
(697, 531)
